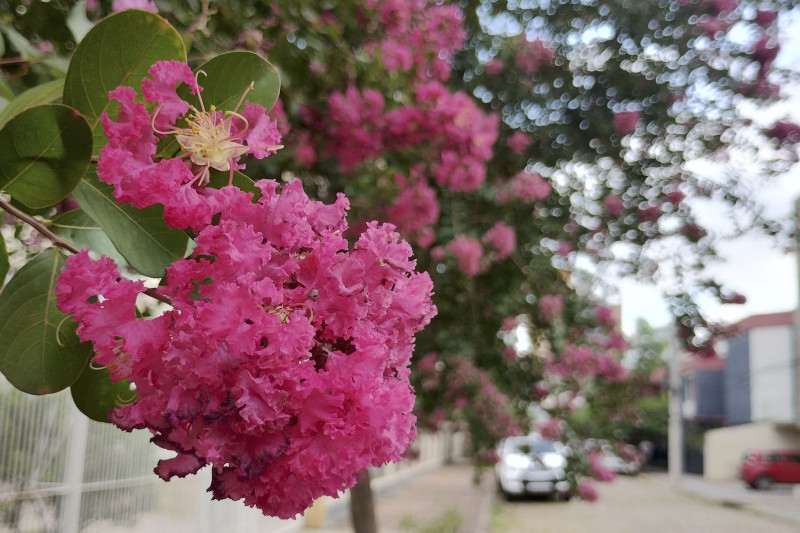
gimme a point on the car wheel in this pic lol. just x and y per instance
(763, 483)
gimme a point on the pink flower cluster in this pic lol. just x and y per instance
(129, 161)
(518, 142)
(550, 307)
(585, 362)
(283, 360)
(356, 123)
(586, 491)
(551, 429)
(421, 36)
(122, 5)
(456, 134)
(470, 386)
(468, 252)
(503, 238)
(533, 55)
(605, 316)
(460, 134)
(527, 186)
(415, 211)
(613, 205)
(597, 470)
(785, 132)
(494, 66)
(625, 122)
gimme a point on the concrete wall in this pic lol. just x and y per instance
(725, 447)
(771, 376)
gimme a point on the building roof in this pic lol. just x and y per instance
(785, 318)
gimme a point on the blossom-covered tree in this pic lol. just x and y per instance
(508, 142)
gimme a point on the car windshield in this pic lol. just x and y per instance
(531, 446)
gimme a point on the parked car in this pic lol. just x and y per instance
(762, 468)
(532, 464)
(620, 458)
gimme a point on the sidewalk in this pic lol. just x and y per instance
(425, 498)
(780, 502)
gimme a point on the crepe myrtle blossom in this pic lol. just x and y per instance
(533, 55)
(597, 469)
(613, 205)
(551, 429)
(211, 139)
(468, 252)
(550, 307)
(283, 363)
(518, 142)
(122, 5)
(625, 121)
(526, 186)
(501, 237)
(587, 492)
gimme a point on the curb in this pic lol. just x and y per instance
(738, 505)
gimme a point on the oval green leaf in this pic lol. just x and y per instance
(229, 75)
(45, 93)
(95, 394)
(44, 151)
(81, 230)
(119, 50)
(140, 235)
(39, 350)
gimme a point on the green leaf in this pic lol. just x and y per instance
(4, 266)
(25, 49)
(95, 393)
(5, 90)
(229, 75)
(219, 179)
(81, 230)
(44, 151)
(119, 50)
(45, 93)
(39, 350)
(140, 235)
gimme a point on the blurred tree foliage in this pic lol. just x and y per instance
(636, 114)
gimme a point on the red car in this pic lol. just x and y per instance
(762, 468)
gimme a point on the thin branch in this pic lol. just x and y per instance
(38, 226)
(57, 241)
(202, 20)
(14, 61)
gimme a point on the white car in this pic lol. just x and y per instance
(532, 465)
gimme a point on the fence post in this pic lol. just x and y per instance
(73, 472)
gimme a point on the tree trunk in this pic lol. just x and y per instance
(362, 508)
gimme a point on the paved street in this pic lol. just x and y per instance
(426, 500)
(638, 504)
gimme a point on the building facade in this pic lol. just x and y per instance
(759, 393)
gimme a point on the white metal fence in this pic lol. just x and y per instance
(62, 473)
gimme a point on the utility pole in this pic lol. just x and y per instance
(796, 347)
(675, 430)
